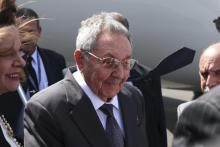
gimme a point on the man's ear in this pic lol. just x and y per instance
(79, 58)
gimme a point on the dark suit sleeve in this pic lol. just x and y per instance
(62, 62)
(198, 123)
(39, 127)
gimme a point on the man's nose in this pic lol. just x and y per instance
(119, 71)
(212, 81)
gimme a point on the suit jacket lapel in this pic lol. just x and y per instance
(129, 119)
(84, 115)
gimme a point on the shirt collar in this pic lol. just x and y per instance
(34, 55)
(96, 101)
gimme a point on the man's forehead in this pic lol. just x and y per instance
(109, 37)
(24, 23)
(210, 65)
(210, 55)
(28, 23)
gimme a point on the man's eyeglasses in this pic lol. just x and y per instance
(110, 62)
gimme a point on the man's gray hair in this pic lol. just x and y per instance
(92, 27)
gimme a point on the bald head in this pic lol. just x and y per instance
(209, 67)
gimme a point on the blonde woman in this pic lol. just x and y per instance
(11, 66)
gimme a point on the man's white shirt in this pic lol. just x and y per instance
(98, 102)
(37, 64)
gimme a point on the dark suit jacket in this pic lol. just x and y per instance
(150, 86)
(54, 63)
(63, 116)
(199, 124)
(10, 103)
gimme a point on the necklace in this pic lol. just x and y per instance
(8, 132)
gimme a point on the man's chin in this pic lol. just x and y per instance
(111, 93)
(28, 49)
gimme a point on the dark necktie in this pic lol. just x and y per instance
(113, 130)
(32, 82)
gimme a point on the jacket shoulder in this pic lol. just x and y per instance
(51, 53)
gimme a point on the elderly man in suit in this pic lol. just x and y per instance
(150, 86)
(199, 124)
(92, 107)
(209, 71)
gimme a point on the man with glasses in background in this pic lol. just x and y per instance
(92, 106)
